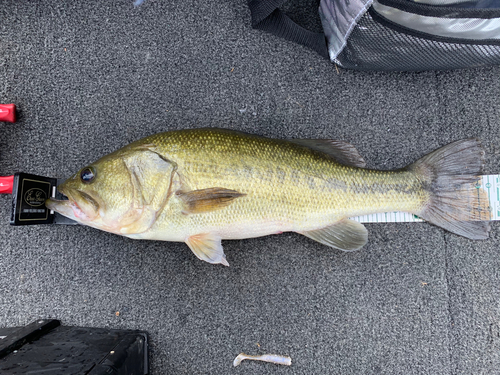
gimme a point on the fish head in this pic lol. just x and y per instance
(119, 193)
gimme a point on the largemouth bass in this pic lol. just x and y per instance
(201, 186)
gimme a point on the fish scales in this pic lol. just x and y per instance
(276, 178)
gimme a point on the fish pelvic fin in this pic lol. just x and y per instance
(206, 200)
(346, 235)
(207, 247)
(455, 202)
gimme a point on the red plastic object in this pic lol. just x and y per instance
(6, 184)
(8, 112)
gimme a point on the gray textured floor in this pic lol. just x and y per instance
(91, 76)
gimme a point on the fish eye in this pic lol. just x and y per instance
(87, 175)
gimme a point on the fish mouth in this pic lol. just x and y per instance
(87, 210)
(64, 207)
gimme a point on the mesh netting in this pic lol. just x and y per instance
(375, 45)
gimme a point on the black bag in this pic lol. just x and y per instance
(397, 35)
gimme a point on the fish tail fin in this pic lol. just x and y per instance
(449, 175)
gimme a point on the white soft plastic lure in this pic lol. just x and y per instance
(272, 358)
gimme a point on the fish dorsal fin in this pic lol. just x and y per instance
(343, 152)
(205, 200)
(207, 247)
(346, 235)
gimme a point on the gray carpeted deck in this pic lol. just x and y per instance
(92, 76)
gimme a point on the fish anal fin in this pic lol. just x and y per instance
(343, 152)
(206, 200)
(207, 247)
(346, 235)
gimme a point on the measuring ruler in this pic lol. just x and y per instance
(28, 207)
(489, 183)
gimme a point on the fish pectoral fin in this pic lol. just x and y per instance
(346, 235)
(205, 200)
(207, 247)
(342, 152)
